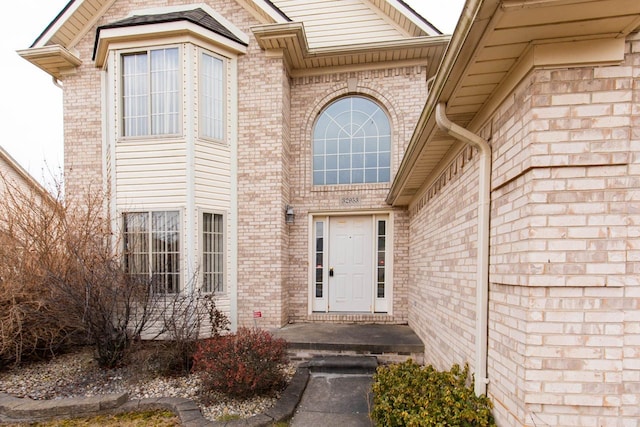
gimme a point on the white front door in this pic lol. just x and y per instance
(351, 268)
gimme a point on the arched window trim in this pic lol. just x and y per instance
(351, 143)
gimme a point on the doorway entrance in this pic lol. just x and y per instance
(350, 264)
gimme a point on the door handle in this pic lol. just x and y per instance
(331, 272)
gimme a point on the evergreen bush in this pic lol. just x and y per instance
(408, 394)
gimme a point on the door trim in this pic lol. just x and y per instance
(317, 305)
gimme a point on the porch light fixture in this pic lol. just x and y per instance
(289, 215)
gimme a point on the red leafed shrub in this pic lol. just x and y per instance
(244, 364)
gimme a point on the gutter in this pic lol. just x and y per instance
(484, 217)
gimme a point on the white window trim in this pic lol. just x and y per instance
(381, 306)
(181, 241)
(225, 94)
(119, 96)
(358, 185)
(225, 251)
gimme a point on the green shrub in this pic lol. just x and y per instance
(407, 394)
(244, 364)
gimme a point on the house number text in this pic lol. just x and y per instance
(350, 201)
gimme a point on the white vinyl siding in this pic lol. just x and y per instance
(339, 22)
(151, 173)
(188, 171)
(213, 175)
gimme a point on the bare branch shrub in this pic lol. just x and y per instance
(60, 278)
(30, 238)
(184, 319)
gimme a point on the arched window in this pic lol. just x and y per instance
(352, 143)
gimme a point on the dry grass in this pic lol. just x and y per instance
(133, 419)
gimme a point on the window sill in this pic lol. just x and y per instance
(349, 187)
(150, 139)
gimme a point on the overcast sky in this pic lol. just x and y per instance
(31, 114)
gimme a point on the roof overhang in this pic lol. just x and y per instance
(495, 45)
(54, 59)
(404, 16)
(289, 41)
(53, 50)
(25, 176)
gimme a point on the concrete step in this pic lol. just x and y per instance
(389, 343)
(342, 364)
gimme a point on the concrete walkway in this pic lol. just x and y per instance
(335, 400)
(338, 392)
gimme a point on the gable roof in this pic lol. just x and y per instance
(495, 45)
(344, 22)
(326, 24)
(12, 170)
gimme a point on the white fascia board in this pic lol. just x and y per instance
(62, 19)
(427, 28)
(59, 22)
(277, 18)
(169, 9)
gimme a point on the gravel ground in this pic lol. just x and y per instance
(77, 374)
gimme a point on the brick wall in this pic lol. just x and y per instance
(275, 121)
(443, 250)
(564, 323)
(402, 93)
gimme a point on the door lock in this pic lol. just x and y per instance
(331, 272)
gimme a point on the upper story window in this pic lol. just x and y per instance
(352, 143)
(212, 99)
(154, 83)
(151, 92)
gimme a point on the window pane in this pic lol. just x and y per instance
(212, 253)
(151, 92)
(152, 250)
(135, 91)
(136, 244)
(381, 258)
(344, 177)
(164, 93)
(351, 127)
(165, 268)
(331, 177)
(319, 277)
(318, 162)
(331, 162)
(318, 178)
(211, 92)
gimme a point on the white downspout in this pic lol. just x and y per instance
(484, 206)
